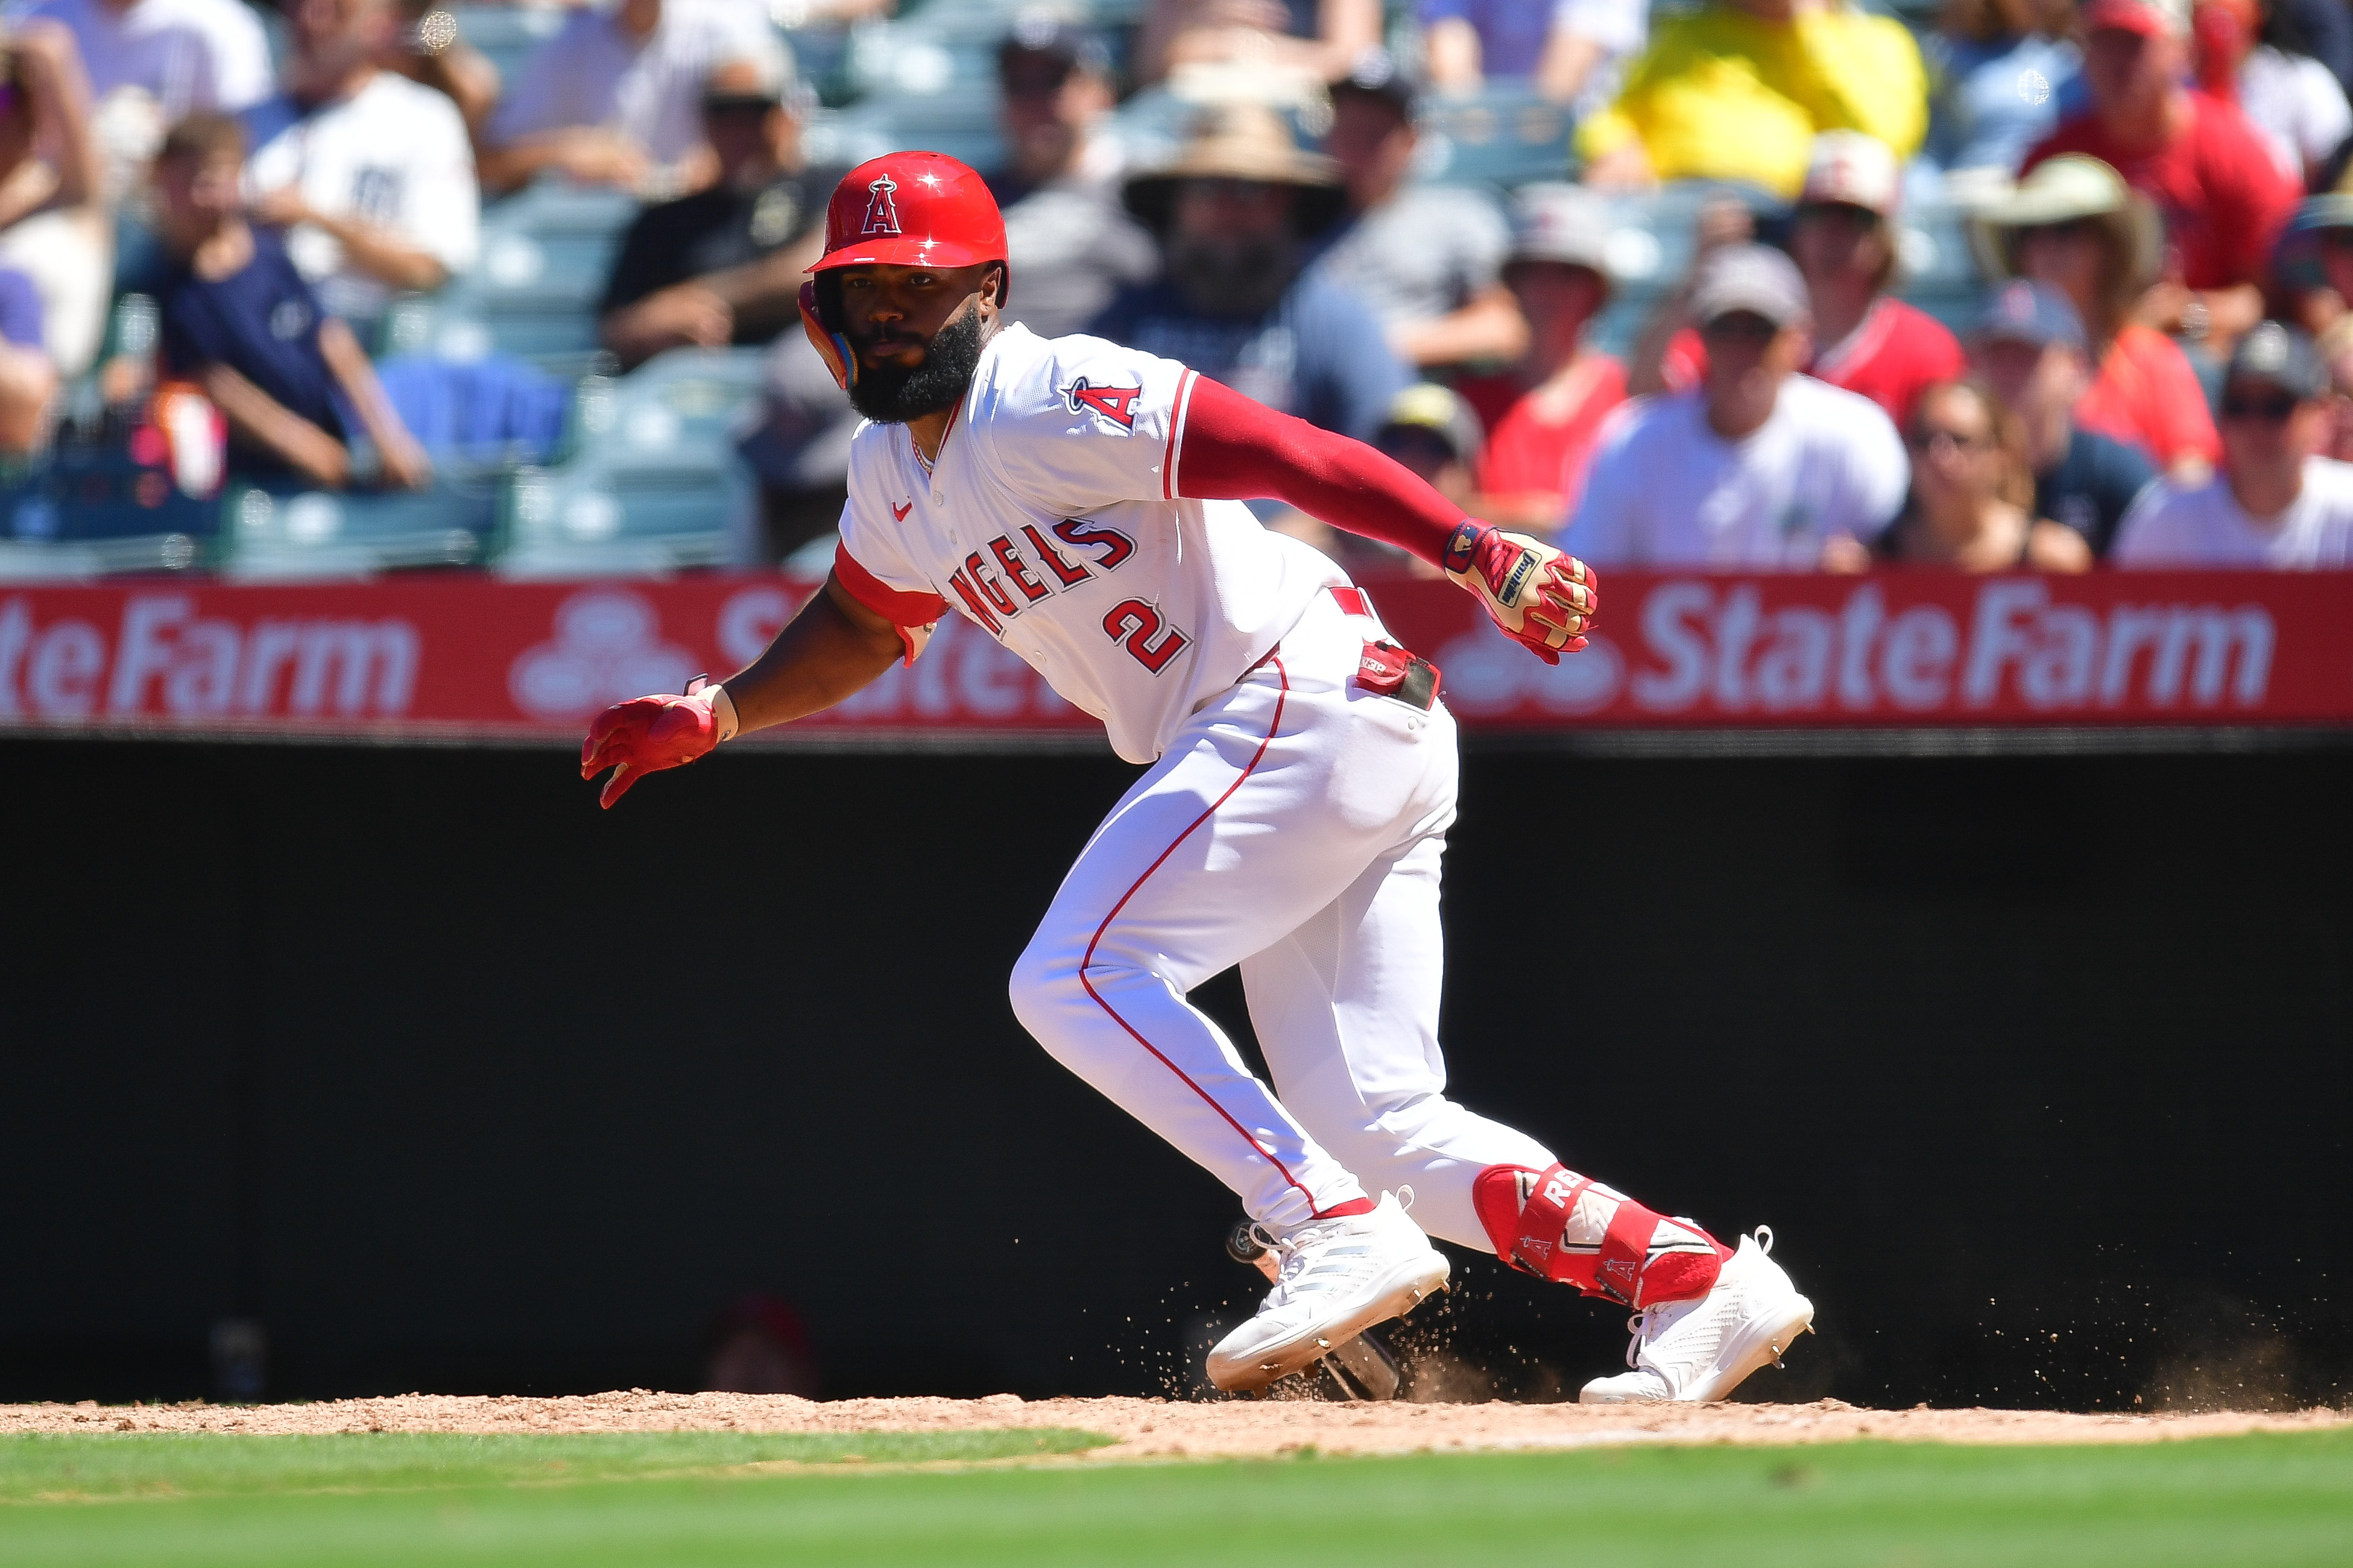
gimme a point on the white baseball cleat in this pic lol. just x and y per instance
(1697, 1350)
(1339, 1276)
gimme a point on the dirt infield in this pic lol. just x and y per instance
(1147, 1428)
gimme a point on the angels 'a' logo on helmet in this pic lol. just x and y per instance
(881, 211)
(1116, 404)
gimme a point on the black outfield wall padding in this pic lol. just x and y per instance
(2037, 1066)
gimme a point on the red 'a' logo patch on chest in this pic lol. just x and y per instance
(1116, 404)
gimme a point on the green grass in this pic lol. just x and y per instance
(263, 1502)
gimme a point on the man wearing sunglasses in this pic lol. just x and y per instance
(2276, 504)
(1757, 467)
(723, 265)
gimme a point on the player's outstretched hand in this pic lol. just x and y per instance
(646, 734)
(1541, 598)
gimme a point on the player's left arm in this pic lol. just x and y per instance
(1231, 447)
(835, 648)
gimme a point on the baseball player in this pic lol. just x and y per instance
(1081, 502)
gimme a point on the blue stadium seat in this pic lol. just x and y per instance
(88, 508)
(1506, 135)
(290, 532)
(545, 253)
(654, 485)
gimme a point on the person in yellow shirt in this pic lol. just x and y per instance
(1739, 89)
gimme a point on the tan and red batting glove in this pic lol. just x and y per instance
(646, 734)
(1540, 597)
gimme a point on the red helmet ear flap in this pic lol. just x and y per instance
(831, 345)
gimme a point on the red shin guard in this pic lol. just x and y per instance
(1567, 1228)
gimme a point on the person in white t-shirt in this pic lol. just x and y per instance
(615, 97)
(2276, 504)
(1757, 467)
(370, 174)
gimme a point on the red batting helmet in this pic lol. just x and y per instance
(912, 209)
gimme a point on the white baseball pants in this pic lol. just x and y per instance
(1295, 827)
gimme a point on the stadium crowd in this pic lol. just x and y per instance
(222, 226)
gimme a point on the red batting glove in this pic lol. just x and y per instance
(646, 734)
(1542, 599)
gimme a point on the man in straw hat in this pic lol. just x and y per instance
(2074, 225)
(1233, 212)
(2208, 170)
(1078, 500)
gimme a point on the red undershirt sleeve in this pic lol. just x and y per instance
(903, 608)
(1229, 447)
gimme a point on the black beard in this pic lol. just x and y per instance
(892, 394)
(1234, 277)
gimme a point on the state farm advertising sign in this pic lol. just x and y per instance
(473, 657)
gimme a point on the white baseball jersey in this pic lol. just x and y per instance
(1055, 519)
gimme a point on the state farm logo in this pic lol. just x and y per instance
(166, 659)
(1708, 648)
(607, 649)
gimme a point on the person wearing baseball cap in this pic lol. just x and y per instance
(1423, 256)
(2029, 346)
(2075, 225)
(1757, 468)
(2277, 503)
(723, 265)
(1544, 415)
(2196, 156)
(1842, 235)
(1073, 243)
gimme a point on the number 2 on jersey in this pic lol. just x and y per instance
(1136, 623)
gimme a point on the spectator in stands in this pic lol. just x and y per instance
(239, 321)
(725, 265)
(2223, 198)
(1425, 257)
(426, 49)
(1544, 415)
(1757, 468)
(1571, 51)
(2290, 98)
(2312, 265)
(2073, 224)
(2005, 71)
(1232, 212)
(55, 229)
(1843, 236)
(1972, 496)
(369, 176)
(1308, 40)
(1739, 89)
(1432, 430)
(1072, 244)
(152, 61)
(615, 98)
(2030, 348)
(2277, 503)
